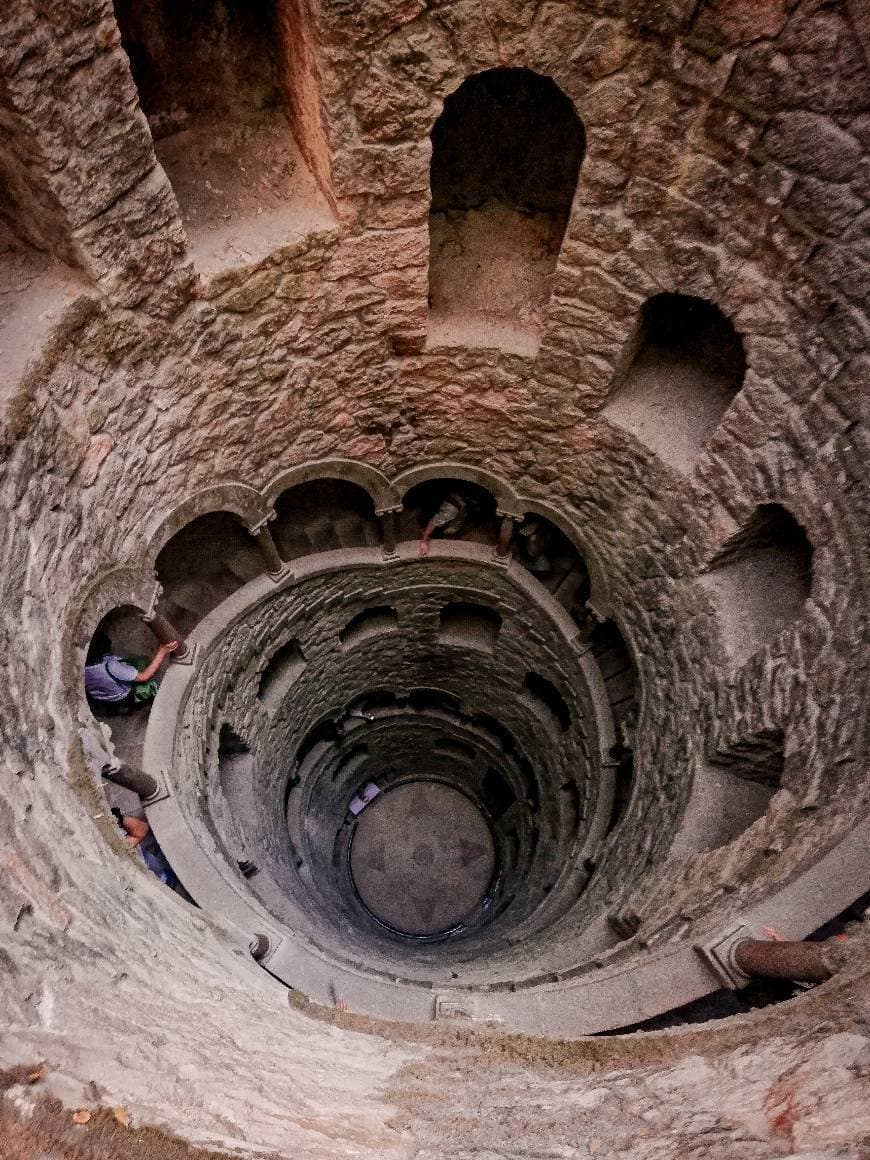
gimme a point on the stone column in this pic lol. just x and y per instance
(805, 962)
(268, 548)
(389, 520)
(505, 536)
(166, 632)
(132, 778)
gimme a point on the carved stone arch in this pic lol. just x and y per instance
(599, 598)
(505, 496)
(237, 499)
(372, 481)
(130, 585)
(679, 338)
(454, 81)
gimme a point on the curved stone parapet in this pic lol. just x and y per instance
(583, 996)
(197, 857)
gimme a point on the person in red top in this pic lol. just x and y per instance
(449, 520)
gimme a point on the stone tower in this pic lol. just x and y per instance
(474, 396)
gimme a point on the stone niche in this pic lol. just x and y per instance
(506, 156)
(226, 92)
(682, 368)
(761, 580)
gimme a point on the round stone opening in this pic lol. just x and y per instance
(422, 859)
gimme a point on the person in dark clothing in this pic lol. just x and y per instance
(139, 837)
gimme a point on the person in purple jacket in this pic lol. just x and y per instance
(111, 680)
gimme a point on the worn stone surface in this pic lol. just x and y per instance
(697, 178)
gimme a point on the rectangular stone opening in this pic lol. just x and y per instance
(283, 668)
(232, 100)
(469, 626)
(371, 622)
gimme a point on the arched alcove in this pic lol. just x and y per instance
(723, 805)
(368, 623)
(233, 499)
(466, 625)
(219, 80)
(549, 555)
(201, 60)
(760, 580)
(543, 694)
(434, 701)
(234, 761)
(322, 516)
(124, 634)
(619, 672)
(383, 494)
(283, 667)
(496, 793)
(731, 789)
(683, 366)
(506, 155)
(204, 563)
(475, 517)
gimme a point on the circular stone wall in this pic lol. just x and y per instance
(215, 292)
(273, 767)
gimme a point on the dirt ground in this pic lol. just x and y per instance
(491, 275)
(243, 190)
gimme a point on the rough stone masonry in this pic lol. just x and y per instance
(207, 287)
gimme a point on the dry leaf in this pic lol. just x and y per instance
(36, 1076)
(122, 1116)
(81, 1116)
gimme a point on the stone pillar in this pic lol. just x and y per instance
(165, 632)
(505, 536)
(132, 778)
(805, 962)
(389, 520)
(268, 548)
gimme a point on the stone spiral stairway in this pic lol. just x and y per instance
(579, 933)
